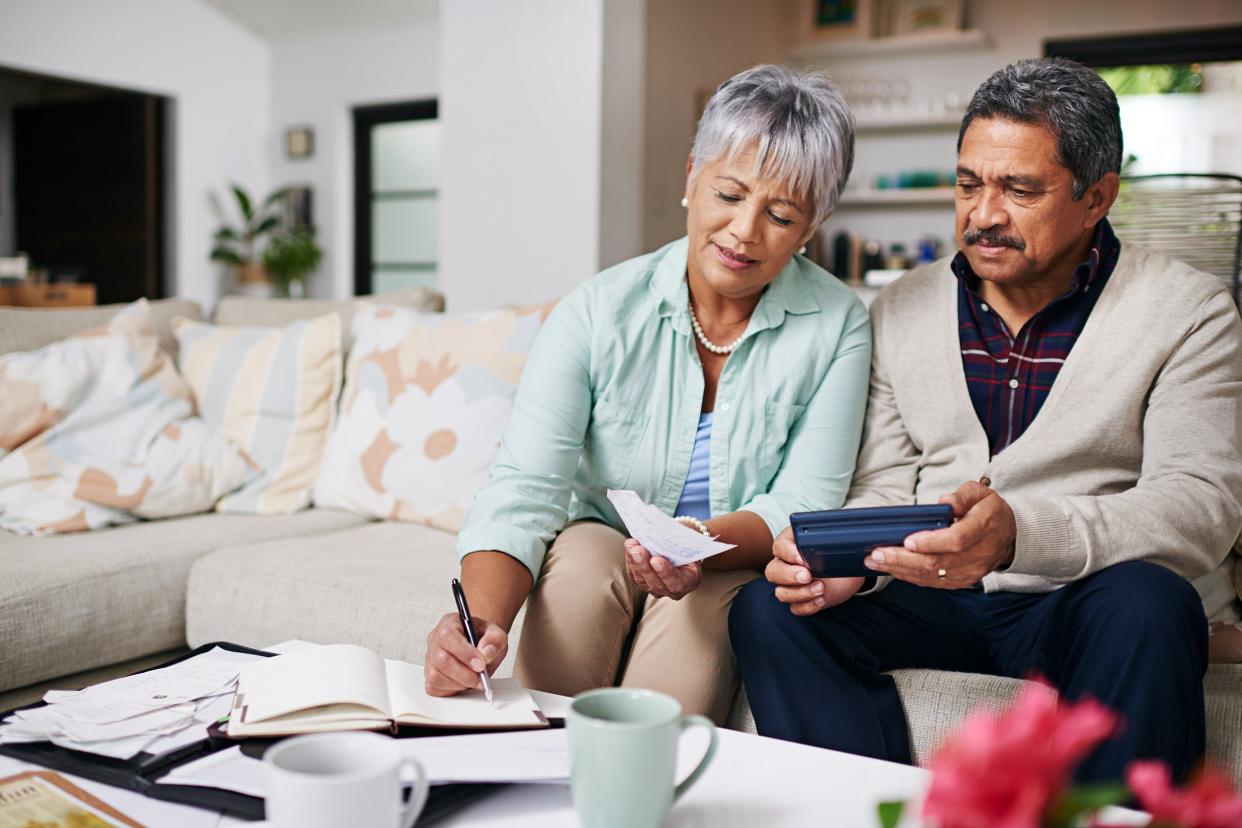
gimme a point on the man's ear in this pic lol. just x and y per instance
(1100, 197)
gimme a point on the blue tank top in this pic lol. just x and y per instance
(694, 495)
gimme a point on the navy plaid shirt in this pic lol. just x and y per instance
(1009, 377)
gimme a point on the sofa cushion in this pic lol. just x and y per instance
(276, 313)
(75, 602)
(936, 701)
(272, 392)
(381, 585)
(24, 329)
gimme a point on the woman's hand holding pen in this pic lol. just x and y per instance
(452, 666)
(657, 576)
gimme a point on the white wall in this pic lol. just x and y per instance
(522, 107)
(318, 78)
(218, 73)
(692, 47)
(622, 133)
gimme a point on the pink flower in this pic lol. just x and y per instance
(1207, 802)
(1004, 770)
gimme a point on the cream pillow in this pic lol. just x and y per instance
(271, 391)
(97, 430)
(426, 400)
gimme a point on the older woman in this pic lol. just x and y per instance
(722, 377)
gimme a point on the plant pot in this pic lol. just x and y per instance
(253, 281)
(251, 272)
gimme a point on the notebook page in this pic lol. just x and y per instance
(332, 674)
(513, 708)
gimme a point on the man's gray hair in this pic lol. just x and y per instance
(799, 123)
(1069, 100)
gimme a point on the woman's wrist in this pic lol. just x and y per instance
(694, 523)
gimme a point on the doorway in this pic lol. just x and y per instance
(396, 196)
(86, 196)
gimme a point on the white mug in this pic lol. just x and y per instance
(326, 780)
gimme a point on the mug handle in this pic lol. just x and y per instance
(418, 794)
(688, 722)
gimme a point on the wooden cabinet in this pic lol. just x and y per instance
(47, 296)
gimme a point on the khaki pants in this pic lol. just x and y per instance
(585, 612)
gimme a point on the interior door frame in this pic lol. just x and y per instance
(365, 119)
(1178, 46)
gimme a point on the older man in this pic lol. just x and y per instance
(1076, 401)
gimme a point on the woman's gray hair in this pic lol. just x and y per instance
(1069, 100)
(803, 129)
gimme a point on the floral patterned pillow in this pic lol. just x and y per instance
(426, 400)
(97, 430)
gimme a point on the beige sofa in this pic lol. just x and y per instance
(121, 598)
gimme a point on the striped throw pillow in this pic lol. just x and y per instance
(271, 391)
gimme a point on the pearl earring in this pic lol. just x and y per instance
(802, 250)
(685, 202)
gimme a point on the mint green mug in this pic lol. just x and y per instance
(623, 753)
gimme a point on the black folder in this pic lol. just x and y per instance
(139, 773)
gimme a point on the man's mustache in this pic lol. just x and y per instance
(992, 236)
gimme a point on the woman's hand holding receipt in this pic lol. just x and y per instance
(657, 575)
(795, 586)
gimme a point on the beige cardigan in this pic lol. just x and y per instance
(1135, 455)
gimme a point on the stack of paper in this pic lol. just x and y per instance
(660, 534)
(156, 711)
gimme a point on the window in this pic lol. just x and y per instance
(1179, 94)
(396, 196)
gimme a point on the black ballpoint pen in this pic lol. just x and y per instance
(467, 623)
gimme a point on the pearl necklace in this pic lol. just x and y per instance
(707, 343)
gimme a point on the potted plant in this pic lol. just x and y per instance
(289, 257)
(239, 245)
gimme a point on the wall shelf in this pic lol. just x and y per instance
(913, 197)
(911, 44)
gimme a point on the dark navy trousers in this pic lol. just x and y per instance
(1132, 636)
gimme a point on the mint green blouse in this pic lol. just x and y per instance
(612, 390)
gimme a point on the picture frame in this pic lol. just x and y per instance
(828, 20)
(909, 17)
(299, 142)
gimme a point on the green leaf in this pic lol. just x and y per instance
(224, 254)
(1086, 799)
(890, 813)
(266, 226)
(227, 234)
(243, 203)
(279, 195)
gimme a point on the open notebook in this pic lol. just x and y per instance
(344, 687)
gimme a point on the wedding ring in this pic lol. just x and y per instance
(941, 574)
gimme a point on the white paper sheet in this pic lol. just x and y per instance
(228, 770)
(527, 756)
(660, 534)
(122, 698)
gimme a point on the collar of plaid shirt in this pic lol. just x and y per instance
(1009, 376)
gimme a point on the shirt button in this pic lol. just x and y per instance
(1013, 383)
(983, 306)
(985, 480)
(724, 406)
